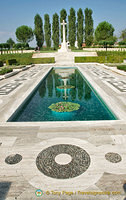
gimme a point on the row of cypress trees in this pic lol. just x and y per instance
(74, 29)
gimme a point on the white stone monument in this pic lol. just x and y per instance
(64, 47)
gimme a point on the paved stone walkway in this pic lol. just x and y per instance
(66, 160)
(110, 78)
(62, 58)
(12, 85)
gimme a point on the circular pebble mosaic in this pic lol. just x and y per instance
(13, 159)
(46, 163)
(113, 157)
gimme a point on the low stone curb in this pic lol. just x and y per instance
(1, 78)
(114, 69)
(11, 74)
(25, 68)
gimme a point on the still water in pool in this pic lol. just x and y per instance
(49, 91)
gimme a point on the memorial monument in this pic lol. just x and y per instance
(64, 47)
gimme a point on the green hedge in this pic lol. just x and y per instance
(18, 56)
(11, 62)
(122, 67)
(29, 61)
(5, 70)
(111, 53)
(99, 59)
(26, 59)
(1, 63)
(43, 60)
(104, 57)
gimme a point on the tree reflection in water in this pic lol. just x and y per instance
(57, 83)
(80, 91)
(87, 92)
(42, 89)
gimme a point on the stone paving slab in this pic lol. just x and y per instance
(64, 57)
(20, 181)
(25, 178)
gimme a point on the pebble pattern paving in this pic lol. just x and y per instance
(47, 165)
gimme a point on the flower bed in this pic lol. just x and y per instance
(64, 107)
(65, 87)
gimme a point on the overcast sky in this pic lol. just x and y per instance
(14, 13)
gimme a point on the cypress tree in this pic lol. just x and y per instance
(47, 29)
(55, 31)
(72, 27)
(38, 31)
(88, 27)
(63, 15)
(80, 29)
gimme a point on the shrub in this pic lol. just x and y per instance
(111, 53)
(18, 56)
(26, 59)
(11, 62)
(99, 59)
(43, 60)
(122, 43)
(122, 67)
(90, 59)
(73, 48)
(1, 63)
(5, 70)
(104, 57)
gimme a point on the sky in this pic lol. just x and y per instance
(14, 13)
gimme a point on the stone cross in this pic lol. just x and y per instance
(64, 40)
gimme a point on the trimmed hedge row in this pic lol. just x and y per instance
(43, 60)
(1, 63)
(26, 59)
(11, 62)
(122, 67)
(5, 70)
(99, 59)
(18, 57)
(29, 61)
(104, 57)
(111, 53)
